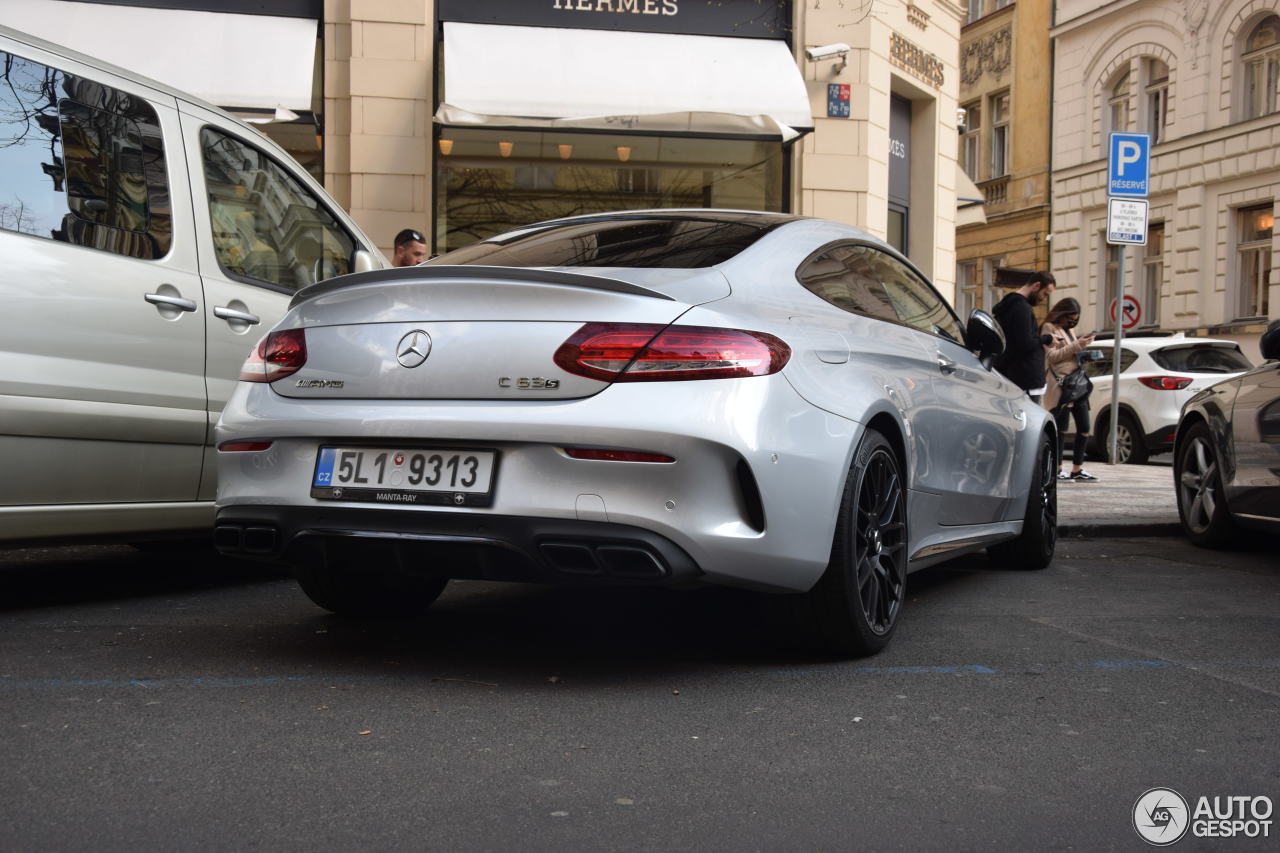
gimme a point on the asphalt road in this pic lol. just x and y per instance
(174, 702)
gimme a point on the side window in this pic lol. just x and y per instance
(865, 280)
(914, 300)
(81, 162)
(842, 277)
(1103, 366)
(267, 226)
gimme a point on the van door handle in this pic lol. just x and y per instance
(170, 301)
(233, 314)
(946, 365)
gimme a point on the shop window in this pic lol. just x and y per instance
(549, 175)
(267, 227)
(81, 163)
(1255, 226)
(1261, 60)
(971, 140)
(1152, 275)
(1000, 135)
(1157, 100)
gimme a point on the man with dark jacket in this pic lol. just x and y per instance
(1022, 361)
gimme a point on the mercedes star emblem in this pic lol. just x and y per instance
(413, 348)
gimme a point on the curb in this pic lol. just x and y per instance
(1099, 530)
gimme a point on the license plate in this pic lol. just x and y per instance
(436, 476)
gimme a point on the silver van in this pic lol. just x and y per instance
(147, 241)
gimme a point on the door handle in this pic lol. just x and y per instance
(233, 314)
(946, 365)
(170, 301)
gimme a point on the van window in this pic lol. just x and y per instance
(267, 226)
(81, 162)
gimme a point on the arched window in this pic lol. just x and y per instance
(1262, 68)
(1118, 103)
(1156, 113)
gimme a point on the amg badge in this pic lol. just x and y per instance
(319, 383)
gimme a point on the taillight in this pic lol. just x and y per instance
(276, 356)
(617, 455)
(1165, 383)
(642, 352)
(244, 446)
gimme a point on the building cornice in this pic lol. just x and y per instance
(1062, 28)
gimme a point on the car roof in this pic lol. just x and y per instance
(1153, 342)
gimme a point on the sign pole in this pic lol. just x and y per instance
(1112, 438)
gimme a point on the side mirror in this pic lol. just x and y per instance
(983, 335)
(1270, 342)
(364, 262)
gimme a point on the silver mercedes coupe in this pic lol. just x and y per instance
(668, 397)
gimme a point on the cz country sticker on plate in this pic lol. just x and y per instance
(414, 477)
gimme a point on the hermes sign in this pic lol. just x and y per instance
(748, 18)
(909, 57)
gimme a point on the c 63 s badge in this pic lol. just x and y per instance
(528, 383)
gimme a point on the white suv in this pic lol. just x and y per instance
(1158, 373)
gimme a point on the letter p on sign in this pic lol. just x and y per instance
(1129, 166)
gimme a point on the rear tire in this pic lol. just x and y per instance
(856, 605)
(1035, 546)
(1202, 502)
(340, 589)
(1131, 448)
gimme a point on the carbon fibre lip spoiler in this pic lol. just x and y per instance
(467, 271)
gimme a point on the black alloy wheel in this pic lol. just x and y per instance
(857, 604)
(1035, 546)
(1202, 505)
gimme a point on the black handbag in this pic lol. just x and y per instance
(1076, 385)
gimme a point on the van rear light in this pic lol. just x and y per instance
(617, 455)
(642, 352)
(1165, 383)
(276, 356)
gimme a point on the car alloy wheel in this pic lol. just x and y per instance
(1202, 505)
(857, 603)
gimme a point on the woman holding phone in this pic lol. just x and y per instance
(1060, 358)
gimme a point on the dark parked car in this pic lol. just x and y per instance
(1227, 453)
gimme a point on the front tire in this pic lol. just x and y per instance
(856, 605)
(1035, 546)
(1202, 502)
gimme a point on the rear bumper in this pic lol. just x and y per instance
(447, 545)
(1161, 440)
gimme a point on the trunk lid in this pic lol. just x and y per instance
(471, 333)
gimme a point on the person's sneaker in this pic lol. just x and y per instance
(1063, 475)
(1082, 476)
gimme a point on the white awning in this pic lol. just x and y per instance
(253, 61)
(971, 205)
(541, 77)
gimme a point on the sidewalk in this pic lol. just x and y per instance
(1127, 500)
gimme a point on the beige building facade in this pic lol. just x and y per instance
(1004, 141)
(1202, 77)
(402, 150)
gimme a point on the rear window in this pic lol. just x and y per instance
(1202, 358)
(642, 241)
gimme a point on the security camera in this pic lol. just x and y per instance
(827, 51)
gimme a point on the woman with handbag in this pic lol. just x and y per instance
(1061, 361)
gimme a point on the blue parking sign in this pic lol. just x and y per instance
(1129, 164)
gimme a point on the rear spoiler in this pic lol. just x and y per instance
(467, 271)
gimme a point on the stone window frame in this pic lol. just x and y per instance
(1234, 40)
(1132, 59)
